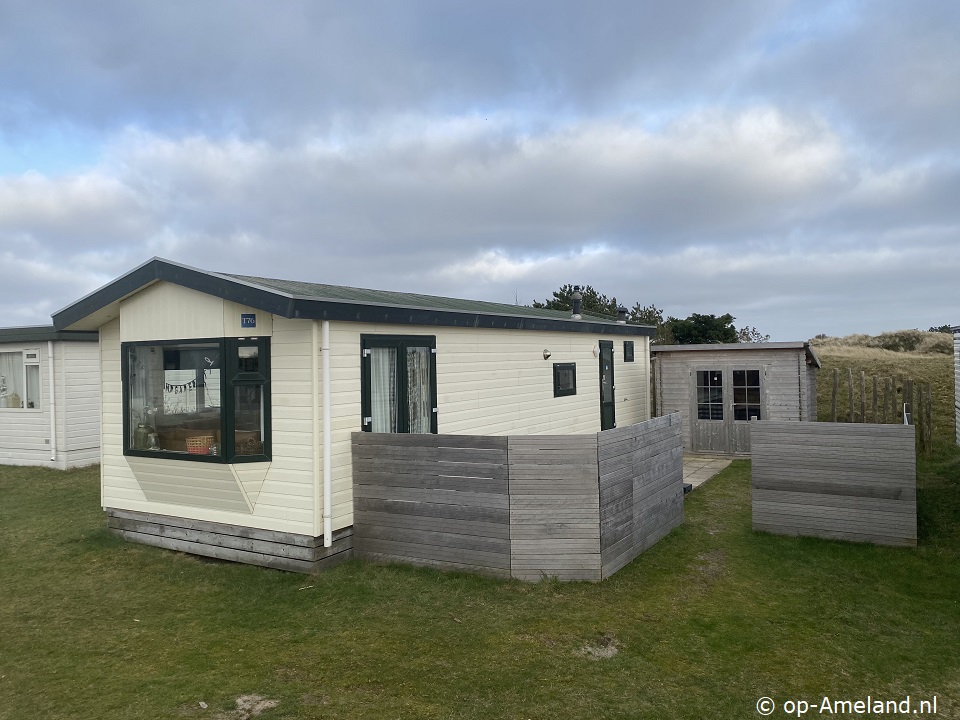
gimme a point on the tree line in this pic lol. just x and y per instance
(692, 330)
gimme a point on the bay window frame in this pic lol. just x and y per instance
(231, 378)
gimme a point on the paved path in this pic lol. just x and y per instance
(697, 469)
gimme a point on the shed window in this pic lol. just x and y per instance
(746, 394)
(20, 380)
(628, 350)
(564, 379)
(709, 395)
(198, 399)
(398, 383)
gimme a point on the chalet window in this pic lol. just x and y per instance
(709, 395)
(398, 383)
(746, 394)
(564, 379)
(20, 380)
(206, 400)
(628, 350)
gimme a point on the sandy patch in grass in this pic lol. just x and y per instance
(603, 649)
(248, 706)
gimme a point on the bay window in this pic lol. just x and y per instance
(206, 400)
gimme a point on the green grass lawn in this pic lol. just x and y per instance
(700, 626)
(705, 623)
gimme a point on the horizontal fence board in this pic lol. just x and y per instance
(469, 513)
(860, 502)
(451, 497)
(433, 482)
(435, 524)
(434, 538)
(562, 529)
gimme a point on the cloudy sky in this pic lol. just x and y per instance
(796, 164)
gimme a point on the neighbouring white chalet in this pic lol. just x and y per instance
(228, 401)
(49, 397)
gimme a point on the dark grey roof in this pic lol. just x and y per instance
(740, 347)
(43, 333)
(293, 299)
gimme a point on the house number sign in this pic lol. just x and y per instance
(248, 320)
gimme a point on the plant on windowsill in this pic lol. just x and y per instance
(145, 434)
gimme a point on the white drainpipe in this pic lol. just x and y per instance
(315, 380)
(53, 403)
(327, 437)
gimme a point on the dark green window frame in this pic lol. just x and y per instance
(628, 350)
(233, 377)
(400, 343)
(564, 379)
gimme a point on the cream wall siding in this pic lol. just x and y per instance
(25, 434)
(284, 501)
(489, 382)
(78, 401)
(170, 312)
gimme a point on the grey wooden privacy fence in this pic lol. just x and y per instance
(575, 507)
(832, 480)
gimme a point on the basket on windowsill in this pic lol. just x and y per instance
(199, 444)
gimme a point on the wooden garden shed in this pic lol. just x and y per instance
(229, 401)
(49, 397)
(719, 388)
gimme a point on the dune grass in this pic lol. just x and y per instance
(700, 626)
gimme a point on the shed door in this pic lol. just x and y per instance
(725, 399)
(710, 429)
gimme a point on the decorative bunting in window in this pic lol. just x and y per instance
(170, 387)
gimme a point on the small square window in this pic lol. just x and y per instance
(628, 350)
(564, 379)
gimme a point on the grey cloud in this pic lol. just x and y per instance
(269, 69)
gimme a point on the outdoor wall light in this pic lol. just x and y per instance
(596, 351)
(547, 354)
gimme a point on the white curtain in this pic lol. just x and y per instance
(11, 379)
(383, 389)
(418, 389)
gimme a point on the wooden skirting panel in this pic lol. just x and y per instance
(573, 507)
(237, 543)
(847, 481)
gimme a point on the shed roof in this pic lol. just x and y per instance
(313, 301)
(43, 333)
(741, 347)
